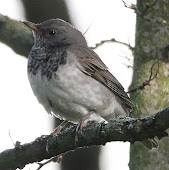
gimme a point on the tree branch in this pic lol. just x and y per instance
(117, 129)
(15, 35)
(112, 40)
(147, 82)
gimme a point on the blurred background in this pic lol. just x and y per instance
(22, 117)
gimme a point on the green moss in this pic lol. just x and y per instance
(152, 38)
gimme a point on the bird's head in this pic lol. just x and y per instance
(56, 32)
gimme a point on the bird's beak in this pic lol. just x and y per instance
(31, 25)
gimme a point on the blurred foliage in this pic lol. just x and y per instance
(41, 10)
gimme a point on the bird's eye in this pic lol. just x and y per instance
(52, 32)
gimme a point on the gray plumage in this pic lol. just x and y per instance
(70, 80)
(49, 53)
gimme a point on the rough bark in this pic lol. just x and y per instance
(152, 45)
(118, 129)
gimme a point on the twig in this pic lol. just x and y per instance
(129, 60)
(140, 13)
(9, 133)
(128, 66)
(147, 82)
(130, 6)
(134, 7)
(148, 6)
(54, 159)
(151, 71)
(113, 40)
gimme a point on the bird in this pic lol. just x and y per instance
(70, 80)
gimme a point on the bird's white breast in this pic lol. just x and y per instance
(70, 94)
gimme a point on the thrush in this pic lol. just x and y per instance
(70, 80)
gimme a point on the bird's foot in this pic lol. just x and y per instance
(56, 132)
(79, 126)
(59, 128)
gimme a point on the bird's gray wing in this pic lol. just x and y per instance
(94, 67)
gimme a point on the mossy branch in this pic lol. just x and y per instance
(118, 129)
(15, 35)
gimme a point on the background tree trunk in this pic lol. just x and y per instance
(152, 45)
(38, 11)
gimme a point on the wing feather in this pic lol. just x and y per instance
(92, 65)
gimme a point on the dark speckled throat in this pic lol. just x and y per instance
(47, 59)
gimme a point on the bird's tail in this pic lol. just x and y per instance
(150, 143)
